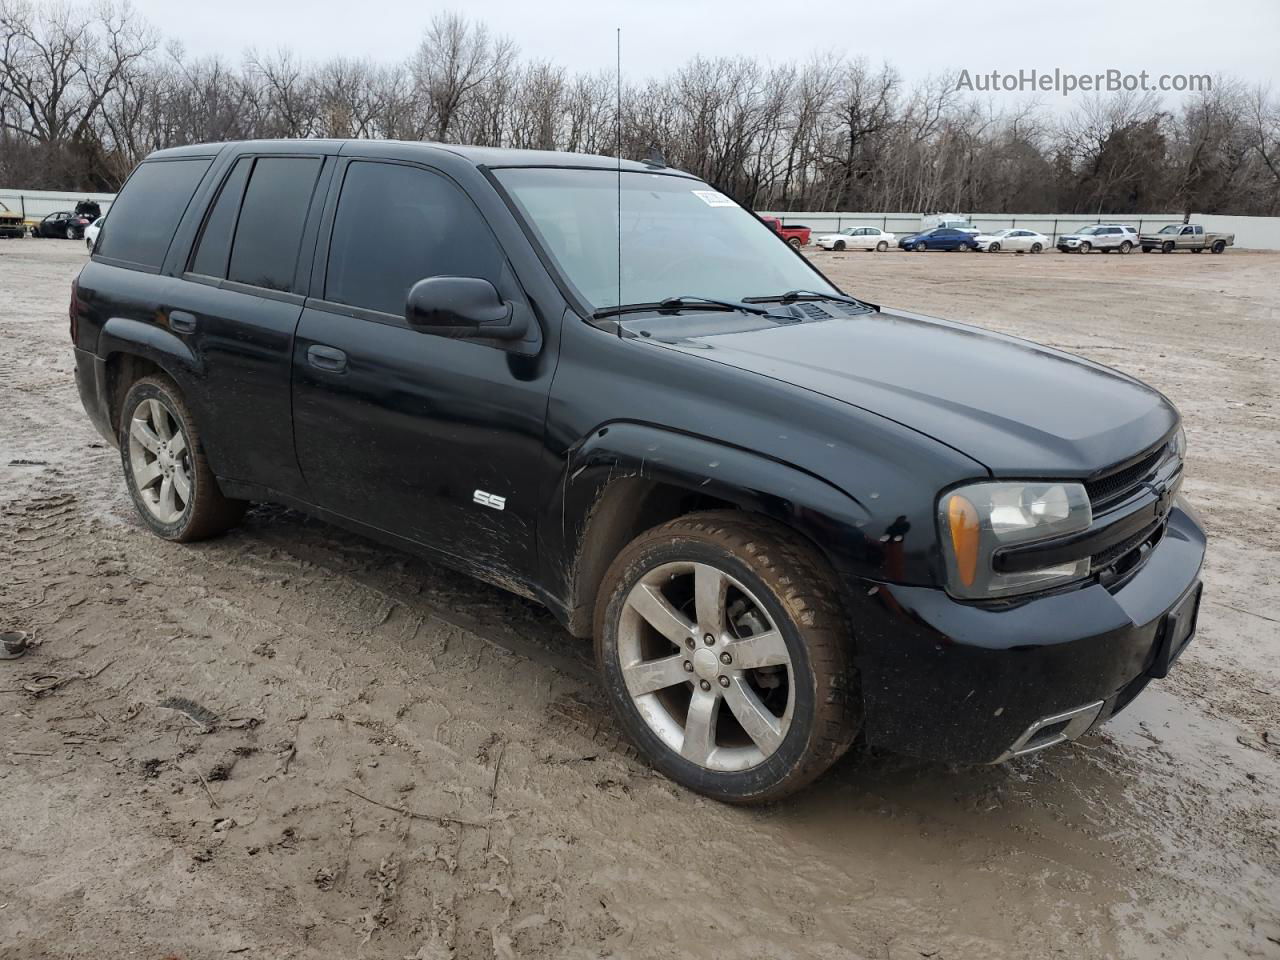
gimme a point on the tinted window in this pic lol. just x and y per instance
(147, 211)
(215, 241)
(396, 225)
(265, 251)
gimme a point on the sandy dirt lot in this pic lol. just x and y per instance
(293, 743)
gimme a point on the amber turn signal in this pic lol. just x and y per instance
(962, 518)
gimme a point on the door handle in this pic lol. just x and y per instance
(181, 322)
(329, 359)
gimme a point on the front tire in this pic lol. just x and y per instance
(994, 248)
(169, 479)
(727, 656)
(1086, 247)
(1168, 247)
(838, 246)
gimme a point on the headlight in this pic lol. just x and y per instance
(978, 520)
(1180, 444)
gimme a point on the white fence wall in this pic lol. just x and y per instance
(36, 204)
(1252, 233)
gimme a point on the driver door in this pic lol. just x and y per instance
(432, 439)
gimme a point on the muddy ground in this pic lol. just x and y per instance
(206, 753)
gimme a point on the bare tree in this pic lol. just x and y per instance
(455, 59)
(84, 95)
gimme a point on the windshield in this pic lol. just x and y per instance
(1002, 233)
(1169, 230)
(679, 237)
(1089, 231)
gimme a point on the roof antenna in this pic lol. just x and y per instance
(618, 124)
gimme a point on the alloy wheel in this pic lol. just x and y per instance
(160, 460)
(705, 666)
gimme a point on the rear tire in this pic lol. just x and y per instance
(1126, 246)
(882, 246)
(168, 477)
(1219, 246)
(795, 243)
(1036, 247)
(699, 711)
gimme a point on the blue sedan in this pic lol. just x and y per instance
(940, 238)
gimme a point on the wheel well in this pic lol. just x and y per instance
(123, 371)
(627, 508)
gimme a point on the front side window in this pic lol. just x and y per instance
(264, 252)
(396, 225)
(147, 211)
(678, 237)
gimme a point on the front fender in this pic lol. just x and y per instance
(624, 458)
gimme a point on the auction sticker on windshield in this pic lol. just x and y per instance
(713, 199)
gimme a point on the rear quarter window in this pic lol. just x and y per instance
(146, 213)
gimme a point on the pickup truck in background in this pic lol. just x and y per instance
(795, 234)
(1186, 236)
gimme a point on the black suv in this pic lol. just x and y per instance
(787, 517)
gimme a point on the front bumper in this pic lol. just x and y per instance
(965, 683)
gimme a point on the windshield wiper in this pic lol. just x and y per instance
(683, 303)
(791, 296)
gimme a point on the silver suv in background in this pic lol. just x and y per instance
(1100, 236)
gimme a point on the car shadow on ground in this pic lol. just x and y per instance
(865, 776)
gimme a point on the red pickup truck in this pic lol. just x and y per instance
(795, 234)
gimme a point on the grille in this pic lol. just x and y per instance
(1118, 485)
(1109, 556)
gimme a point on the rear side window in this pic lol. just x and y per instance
(264, 252)
(148, 209)
(214, 248)
(396, 225)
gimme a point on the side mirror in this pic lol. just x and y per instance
(462, 307)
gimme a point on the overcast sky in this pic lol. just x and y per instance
(1162, 36)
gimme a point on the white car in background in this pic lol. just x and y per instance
(1014, 239)
(91, 233)
(857, 238)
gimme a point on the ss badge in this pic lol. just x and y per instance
(489, 500)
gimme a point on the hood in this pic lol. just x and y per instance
(1020, 409)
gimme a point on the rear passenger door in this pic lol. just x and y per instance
(246, 280)
(435, 440)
